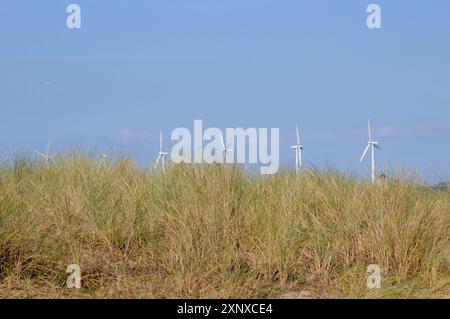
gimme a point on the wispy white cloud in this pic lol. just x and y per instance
(128, 136)
(323, 136)
(402, 131)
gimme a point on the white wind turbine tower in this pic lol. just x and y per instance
(161, 155)
(298, 149)
(372, 145)
(47, 156)
(225, 149)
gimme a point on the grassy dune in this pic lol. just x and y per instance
(214, 231)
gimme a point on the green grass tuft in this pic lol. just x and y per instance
(216, 232)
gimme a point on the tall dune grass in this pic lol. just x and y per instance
(216, 232)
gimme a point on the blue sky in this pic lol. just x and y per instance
(138, 66)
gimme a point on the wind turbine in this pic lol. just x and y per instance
(372, 145)
(225, 149)
(161, 155)
(103, 158)
(47, 155)
(298, 148)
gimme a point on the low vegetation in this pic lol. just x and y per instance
(216, 232)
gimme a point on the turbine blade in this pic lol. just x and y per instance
(160, 141)
(298, 135)
(365, 152)
(42, 154)
(370, 130)
(157, 161)
(376, 146)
